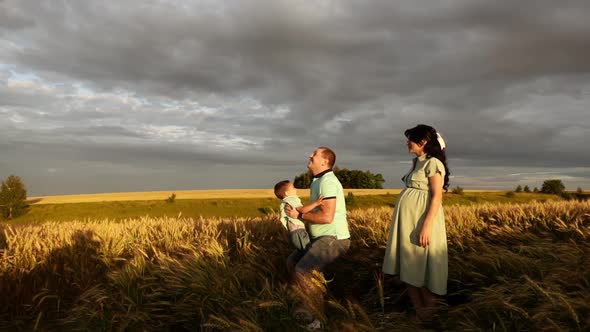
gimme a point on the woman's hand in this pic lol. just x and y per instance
(425, 235)
(435, 184)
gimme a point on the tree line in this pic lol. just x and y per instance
(349, 178)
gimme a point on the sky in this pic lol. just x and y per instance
(150, 95)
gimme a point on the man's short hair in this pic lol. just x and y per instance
(329, 155)
(280, 188)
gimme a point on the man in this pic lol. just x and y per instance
(327, 224)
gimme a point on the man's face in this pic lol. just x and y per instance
(316, 161)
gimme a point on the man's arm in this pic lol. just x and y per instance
(323, 215)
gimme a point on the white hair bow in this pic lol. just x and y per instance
(441, 141)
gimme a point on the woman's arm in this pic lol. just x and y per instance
(436, 193)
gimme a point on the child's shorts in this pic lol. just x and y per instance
(299, 238)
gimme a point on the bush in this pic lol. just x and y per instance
(566, 195)
(552, 187)
(457, 190)
(536, 190)
(510, 194)
(266, 210)
(580, 195)
(526, 189)
(171, 198)
(12, 197)
(350, 200)
(474, 199)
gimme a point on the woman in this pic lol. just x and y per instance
(417, 245)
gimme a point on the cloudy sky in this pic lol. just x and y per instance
(166, 95)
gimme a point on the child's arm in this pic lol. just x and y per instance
(307, 208)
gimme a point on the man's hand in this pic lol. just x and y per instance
(290, 211)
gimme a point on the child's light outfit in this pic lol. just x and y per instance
(297, 234)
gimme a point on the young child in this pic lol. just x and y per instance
(287, 193)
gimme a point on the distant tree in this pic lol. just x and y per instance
(457, 190)
(13, 197)
(554, 186)
(579, 190)
(526, 189)
(518, 189)
(303, 181)
(359, 179)
(351, 179)
(536, 190)
(378, 181)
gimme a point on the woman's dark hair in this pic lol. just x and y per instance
(432, 147)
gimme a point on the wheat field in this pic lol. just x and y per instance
(512, 267)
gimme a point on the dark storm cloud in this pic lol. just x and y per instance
(157, 155)
(13, 18)
(507, 83)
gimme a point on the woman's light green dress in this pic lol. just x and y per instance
(418, 266)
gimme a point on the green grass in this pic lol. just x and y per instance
(248, 207)
(496, 197)
(131, 209)
(453, 199)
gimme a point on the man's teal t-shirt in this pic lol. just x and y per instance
(328, 185)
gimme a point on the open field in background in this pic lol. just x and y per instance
(185, 194)
(513, 267)
(196, 194)
(227, 207)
